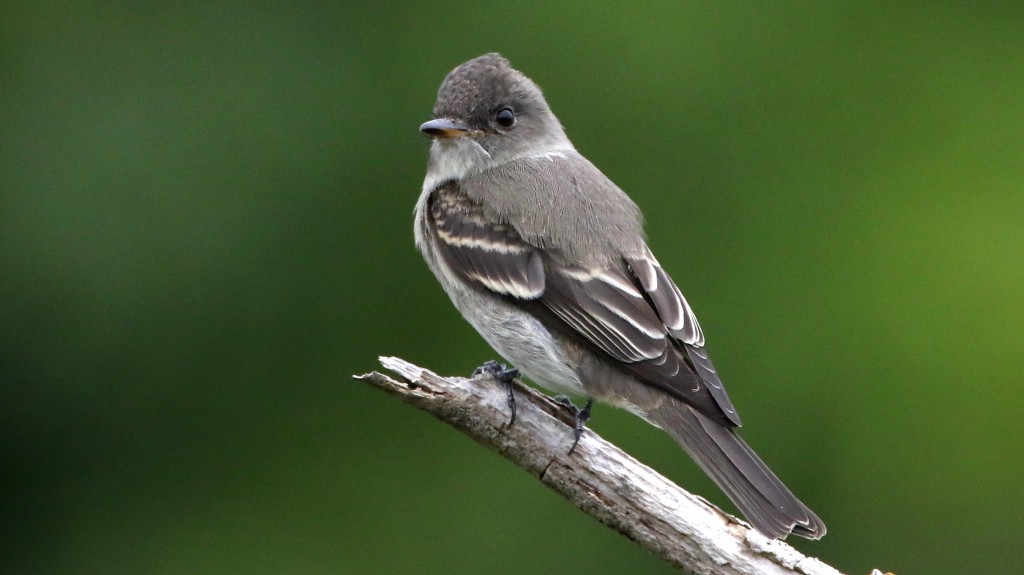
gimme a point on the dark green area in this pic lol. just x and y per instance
(205, 229)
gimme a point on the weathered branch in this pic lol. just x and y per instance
(598, 477)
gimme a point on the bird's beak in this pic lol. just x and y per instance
(443, 128)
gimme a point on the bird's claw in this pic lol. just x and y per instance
(580, 417)
(502, 374)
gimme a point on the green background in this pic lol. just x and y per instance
(206, 229)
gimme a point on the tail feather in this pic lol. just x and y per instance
(739, 472)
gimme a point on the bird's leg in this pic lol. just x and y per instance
(505, 375)
(580, 416)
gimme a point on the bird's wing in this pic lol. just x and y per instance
(488, 254)
(629, 310)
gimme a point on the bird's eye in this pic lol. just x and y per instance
(505, 117)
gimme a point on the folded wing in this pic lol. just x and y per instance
(629, 310)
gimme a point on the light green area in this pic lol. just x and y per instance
(205, 229)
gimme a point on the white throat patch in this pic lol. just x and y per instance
(454, 161)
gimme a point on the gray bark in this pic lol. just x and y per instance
(599, 478)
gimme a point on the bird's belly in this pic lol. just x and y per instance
(519, 338)
(530, 347)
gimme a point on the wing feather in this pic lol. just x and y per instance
(629, 310)
(488, 253)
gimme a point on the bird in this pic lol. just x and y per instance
(547, 259)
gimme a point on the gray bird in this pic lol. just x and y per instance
(546, 258)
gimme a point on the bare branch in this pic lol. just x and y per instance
(598, 477)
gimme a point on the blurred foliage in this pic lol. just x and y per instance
(205, 229)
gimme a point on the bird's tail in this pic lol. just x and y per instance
(738, 471)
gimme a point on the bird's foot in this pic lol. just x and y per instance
(502, 374)
(580, 417)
